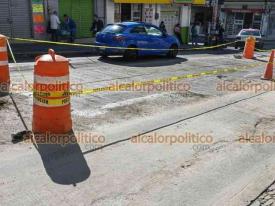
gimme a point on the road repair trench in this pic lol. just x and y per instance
(119, 116)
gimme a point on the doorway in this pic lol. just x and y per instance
(126, 12)
(81, 11)
(15, 18)
(248, 17)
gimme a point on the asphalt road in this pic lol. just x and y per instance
(123, 171)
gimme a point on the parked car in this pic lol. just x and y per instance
(132, 36)
(245, 33)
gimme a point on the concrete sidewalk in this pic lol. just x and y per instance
(27, 50)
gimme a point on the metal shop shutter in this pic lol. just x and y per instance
(5, 21)
(21, 18)
(81, 11)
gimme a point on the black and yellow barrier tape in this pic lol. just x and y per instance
(51, 102)
(126, 86)
(122, 48)
(43, 95)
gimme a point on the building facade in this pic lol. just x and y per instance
(16, 18)
(258, 14)
(81, 11)
(29, 18)
(171, 12)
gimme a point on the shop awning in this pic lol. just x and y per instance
(144, 1)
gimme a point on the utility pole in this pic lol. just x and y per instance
(216, 9)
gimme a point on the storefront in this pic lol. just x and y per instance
(81, 11)
(170, 15)
(137, 10)
(141, 10)
(245, 14)
(202, 15)
(171, 12)
(128, 12)
(238, 19)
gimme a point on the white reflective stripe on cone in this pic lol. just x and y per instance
(4, 63)
(3, 49)
(51, 80)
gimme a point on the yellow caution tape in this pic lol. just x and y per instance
(51, 102)
(110, 47)
(264, 50)
(121, 87)
(55, 102)
(51, 94)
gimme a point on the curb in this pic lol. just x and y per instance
(251, 191)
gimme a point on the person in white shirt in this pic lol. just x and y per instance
(54, 19)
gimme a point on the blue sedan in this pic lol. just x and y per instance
(134, 39)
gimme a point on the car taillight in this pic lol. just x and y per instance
(119, 38)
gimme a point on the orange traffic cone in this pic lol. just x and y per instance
(51, 108)
(249, 48)
(4, 67)
(268, 74)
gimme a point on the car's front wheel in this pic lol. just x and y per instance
(131, 53)
(173, 51)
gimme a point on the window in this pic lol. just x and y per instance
(251, 33)
(113, 29)
(138, 30)
(153, 31)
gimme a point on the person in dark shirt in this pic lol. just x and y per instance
(71, 27)
(177, 32)
(97, 25)
(162, 27)
(221, 32)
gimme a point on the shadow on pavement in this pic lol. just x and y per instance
(148, 61)
(65, 164)
(217, 51)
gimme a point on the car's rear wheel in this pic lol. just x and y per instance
(173, 51)
(131, 53)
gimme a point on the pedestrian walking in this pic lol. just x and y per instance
(97, 25)
(162, 27)
(220, 33)
(195, 33)
(54, 24)
(177, 32)
(71, 27)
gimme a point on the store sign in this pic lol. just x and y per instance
(183, 1)
(144, 1)
(38, 17)
(196, 2)
(199, 2)
(243, 10)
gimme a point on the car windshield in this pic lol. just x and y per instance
(250, 33)
(113, 29)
